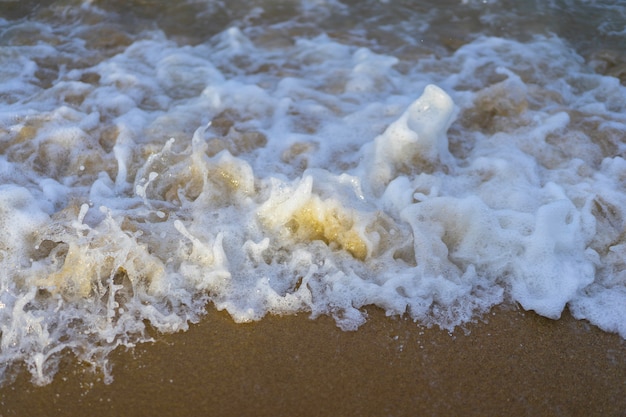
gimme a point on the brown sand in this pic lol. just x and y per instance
(518, 364)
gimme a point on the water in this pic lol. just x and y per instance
(261, 157)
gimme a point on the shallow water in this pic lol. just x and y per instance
(265, 157)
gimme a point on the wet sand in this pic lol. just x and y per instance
(517, 364)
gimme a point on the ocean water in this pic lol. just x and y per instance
(434, 159)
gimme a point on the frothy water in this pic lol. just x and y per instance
(157, 159)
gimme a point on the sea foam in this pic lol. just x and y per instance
(156, 179)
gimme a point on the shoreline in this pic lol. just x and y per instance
(517, 363)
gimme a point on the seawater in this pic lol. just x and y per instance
(434, 159)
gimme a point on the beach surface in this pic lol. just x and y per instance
(519, 364)
(245, 164)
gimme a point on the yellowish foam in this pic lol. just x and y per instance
(83, 265)
(329, 222)
(306, 218)
(72, 279)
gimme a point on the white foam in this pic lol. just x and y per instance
(319, 176)
(415, 142)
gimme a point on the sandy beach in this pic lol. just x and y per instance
(269, 158)
(519, 364)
